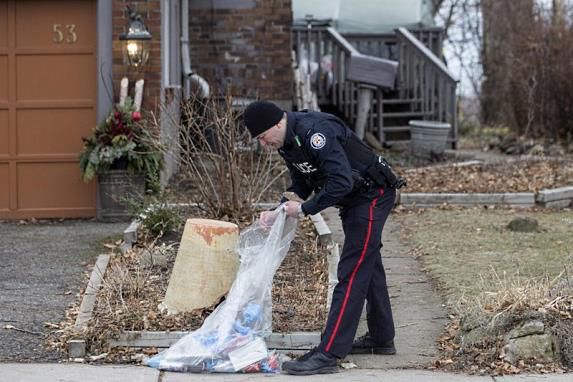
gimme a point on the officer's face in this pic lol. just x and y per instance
(273, 137)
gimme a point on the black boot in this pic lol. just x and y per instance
(367, 345)
(313, 362)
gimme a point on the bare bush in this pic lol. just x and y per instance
(517, 58)
(528, 56)
(226, 172)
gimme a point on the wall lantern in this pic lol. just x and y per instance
(136, 40)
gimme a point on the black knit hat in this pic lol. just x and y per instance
(262, 115)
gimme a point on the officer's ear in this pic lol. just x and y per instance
(282, 123)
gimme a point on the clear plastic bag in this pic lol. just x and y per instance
(232, 337)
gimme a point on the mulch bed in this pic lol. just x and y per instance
(301, 283)
(132, 291)
(510, 176)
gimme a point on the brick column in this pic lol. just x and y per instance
(245, 44)
(150, 10)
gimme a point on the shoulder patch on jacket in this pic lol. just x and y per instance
(317, 141)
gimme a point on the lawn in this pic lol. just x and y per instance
(468, 251)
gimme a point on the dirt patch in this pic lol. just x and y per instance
(508, 176)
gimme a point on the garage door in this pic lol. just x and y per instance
(48, 92)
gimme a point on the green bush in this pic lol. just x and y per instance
(156, 214)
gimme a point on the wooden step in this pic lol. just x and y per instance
(406, 114)
(397, 142)
(393, 101)
(395, 129)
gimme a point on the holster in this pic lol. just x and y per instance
(383, 176)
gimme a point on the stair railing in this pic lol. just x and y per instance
(422, 75)
(385, 45)
(332, 85)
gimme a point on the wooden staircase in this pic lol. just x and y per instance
(424, 88)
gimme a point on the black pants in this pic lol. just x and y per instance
(361, 276)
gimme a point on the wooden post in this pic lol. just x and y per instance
(365, 94)
(380, 112)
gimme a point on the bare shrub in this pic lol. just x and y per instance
(528, 60)
(226, 172)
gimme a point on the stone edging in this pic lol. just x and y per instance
(279, 341)
(555, 198)
(549, 198)
(77, 347)
(130, 235)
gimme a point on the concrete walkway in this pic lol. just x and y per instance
(418, 313)
(11, 372)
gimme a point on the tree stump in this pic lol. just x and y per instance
(205, 267)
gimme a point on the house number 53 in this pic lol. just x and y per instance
(65, 33)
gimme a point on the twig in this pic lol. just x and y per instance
(12, 327)
(403, 326)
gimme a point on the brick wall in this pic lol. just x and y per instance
(151, 12)
(242, 43)
(245, 44)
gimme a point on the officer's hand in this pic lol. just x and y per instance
(268, 218)
(291, 207)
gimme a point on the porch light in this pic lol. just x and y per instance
(136, 40)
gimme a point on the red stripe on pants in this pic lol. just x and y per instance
(354, 271)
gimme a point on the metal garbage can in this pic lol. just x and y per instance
(428, 137)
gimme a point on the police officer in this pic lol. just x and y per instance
(325, 157)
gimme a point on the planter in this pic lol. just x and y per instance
(428, 137)
(114, 188)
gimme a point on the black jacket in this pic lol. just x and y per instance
(320, 159)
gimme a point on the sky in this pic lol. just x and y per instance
(461, 51)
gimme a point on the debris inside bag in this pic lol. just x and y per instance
(232, 338)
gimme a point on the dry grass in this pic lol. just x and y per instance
(495, 279)
(460, 247)
(517, 294)
(499, 307)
